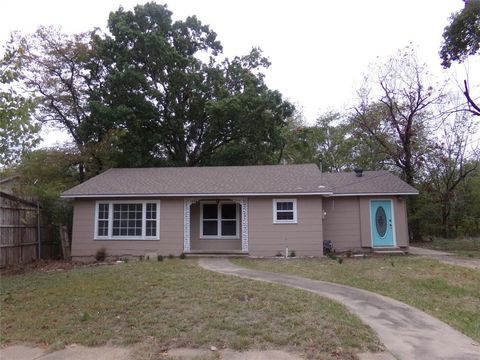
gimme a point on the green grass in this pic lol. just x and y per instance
(450, 293)
(173, 303)
(467, 247)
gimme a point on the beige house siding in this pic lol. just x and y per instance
(267, 238)
(347, 223)
(171, 232)
(342, 222)
(211, 244)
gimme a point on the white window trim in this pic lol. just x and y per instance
(110, 220)
(274, 206)
(219, 221)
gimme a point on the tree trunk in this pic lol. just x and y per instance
(81, 172)
(413, 221)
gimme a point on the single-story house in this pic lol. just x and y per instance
(253, 210)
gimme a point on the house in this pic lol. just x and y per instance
(254, 210)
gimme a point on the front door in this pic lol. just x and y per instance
(381, 223)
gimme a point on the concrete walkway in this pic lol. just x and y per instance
(445, 257)
(413, 250)
(406, 332)
(71, 352)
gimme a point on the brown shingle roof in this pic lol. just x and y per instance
(371, 182)
(237, 180)
(228, 180)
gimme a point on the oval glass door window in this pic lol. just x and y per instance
(381, 221)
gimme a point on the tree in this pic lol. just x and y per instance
(170, 107)
(18, 131)
(466, 210)
(299, 141)
(449, 161)
(398, 118)
(461, 39)
(335, 143)
(45, 174)
(54, 69)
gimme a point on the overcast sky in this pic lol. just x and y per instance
(319, 49)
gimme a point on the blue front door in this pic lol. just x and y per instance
(381, 223)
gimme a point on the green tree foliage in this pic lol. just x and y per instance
(461, 39)
(450, 160)
(44, 174)
(299, 141)
(54, 68)
(168, 106)
(333, 143)
(18, 132)
(465, 217)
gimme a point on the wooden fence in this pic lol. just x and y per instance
(22, 226)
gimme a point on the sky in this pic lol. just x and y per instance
(319, 49)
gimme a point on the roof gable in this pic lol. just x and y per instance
(370, 183)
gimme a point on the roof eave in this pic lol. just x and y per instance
(378, 194)
(90, 196)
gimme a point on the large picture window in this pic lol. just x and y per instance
(219, 220)
(284, 211)
(125, 220)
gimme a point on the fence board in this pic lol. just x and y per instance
(19, 231)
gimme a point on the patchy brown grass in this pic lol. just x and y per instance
(467, 247)
(450, 293)
(171, 304)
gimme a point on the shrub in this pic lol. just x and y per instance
(340, 260)
(160, 257)
(101, 254)
(293, 253)
(331, 256)
(182, 256)
(171, 256)
(85, 316)
(349, 253)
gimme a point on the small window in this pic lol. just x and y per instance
(285, 211)
(219, 220)
(151, 220)
(103, 217)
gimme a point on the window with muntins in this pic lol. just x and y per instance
(285, 211)
(127, 220)
(219, 220)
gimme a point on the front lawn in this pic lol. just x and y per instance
(468, 247)
(450, 293)
(174, 303)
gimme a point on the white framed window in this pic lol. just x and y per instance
(219, 220)
(284, 211)
(127, 220)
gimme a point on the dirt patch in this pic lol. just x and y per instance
(47, 266)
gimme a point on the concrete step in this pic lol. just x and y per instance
(216, 254)
(388, 251)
